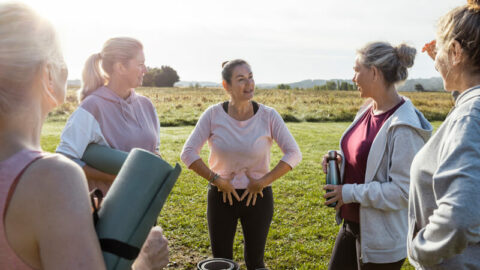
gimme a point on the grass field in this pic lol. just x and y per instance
(183, 106)
(303, 229)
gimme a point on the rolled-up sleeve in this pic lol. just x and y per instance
(80, 130)
(196, 140)
(280, 133)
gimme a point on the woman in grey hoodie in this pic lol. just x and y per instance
(376, 153)
(444, 203)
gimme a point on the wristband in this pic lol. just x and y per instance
(215, 176)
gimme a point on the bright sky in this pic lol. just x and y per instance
(284, 41)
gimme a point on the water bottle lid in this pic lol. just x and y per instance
(332, 155)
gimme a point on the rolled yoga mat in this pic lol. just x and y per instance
(104, 158)
(132, 206)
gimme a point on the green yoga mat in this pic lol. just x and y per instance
(104, 158)
(133, 202)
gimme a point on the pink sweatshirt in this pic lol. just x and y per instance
(240, 146)
(107, 119)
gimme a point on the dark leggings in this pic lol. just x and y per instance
(222, 225)
(346, 252)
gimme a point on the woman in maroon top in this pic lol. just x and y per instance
(376, 152)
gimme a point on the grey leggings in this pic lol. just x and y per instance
(222, 224)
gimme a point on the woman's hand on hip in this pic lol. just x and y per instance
(225, 185)
(254, 188)
(334, 194)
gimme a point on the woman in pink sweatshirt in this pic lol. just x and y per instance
(112, 114)
(240, 133)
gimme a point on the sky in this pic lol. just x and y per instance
(284, 41)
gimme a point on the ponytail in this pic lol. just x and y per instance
(99, 66)
(92, 76)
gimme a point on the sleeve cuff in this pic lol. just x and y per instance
(293, 160)
(190, 159)
(347, 193)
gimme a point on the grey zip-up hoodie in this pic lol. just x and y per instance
(383, 198)
(444, 204)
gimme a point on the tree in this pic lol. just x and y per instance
(283, 86)
(331, 85)
(419, 87)
(343, 86)
(161, 77)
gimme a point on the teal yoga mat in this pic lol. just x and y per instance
(134, 201)
(104, 158)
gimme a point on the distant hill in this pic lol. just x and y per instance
(430, 84)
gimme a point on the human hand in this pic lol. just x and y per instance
(224, 185)
(254, 188)
(325, 163)
(334, 194)
(430, 48)
(154, 252)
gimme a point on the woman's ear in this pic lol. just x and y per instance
(48, 78)
(49, 82)
(119, 68)
(225, 85)
(375, 73)
(456, 53)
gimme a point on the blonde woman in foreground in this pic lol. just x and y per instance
(444, 204)
(44, 204)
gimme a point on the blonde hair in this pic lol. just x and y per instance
(392, 61)
(27, 42)
(463, 25)
(99, 66)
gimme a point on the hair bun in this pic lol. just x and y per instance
(224, 63)
(473, 5)
(406, 55)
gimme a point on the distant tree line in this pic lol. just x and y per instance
(329, 85)
(160, 77)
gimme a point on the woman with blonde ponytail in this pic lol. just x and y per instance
(444, 202)
(112, 114)
(45, 214)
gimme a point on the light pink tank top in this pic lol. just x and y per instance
(10, 171)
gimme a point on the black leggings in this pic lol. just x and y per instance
(346, 252)
(222, 225)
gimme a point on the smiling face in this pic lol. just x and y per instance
(242, 85)
(363, 78)
(135, 70)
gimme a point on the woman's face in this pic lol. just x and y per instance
(135, 70)
(363, 78)
(242, 84)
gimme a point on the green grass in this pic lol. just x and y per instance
(303, 230)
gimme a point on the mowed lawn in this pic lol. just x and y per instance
(303, 230)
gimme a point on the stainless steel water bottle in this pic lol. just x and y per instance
(333, 175)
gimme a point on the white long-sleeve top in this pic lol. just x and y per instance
(240, 146)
